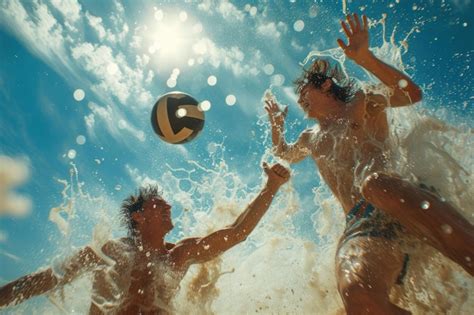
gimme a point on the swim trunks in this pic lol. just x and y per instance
(365, 220)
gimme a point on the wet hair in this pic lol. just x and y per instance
(134, 203)
(342, 87)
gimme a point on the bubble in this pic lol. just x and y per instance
(230, 100)
(112, 68)
(122, 124)
(211, 147)
(152, 49)
(171, 83)
(183, 16)
(191, 62)
(200, 60)
(402, 200)
(268, 69)
(71, 154)
(176, 72)
(180, 113)
(204, 106)
(159, 15)
(468, 259)
(253, 11)
(118, 187)
(147, 254)
(79, 95)
(425, 205)
(80, 140)
(447, 229)
(278, 79)
(402, 83)
(313, 11)
(464, 24)
(212, 80)
(298, 26)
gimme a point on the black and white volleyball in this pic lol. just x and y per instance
(177, 117)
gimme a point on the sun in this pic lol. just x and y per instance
(169, 39)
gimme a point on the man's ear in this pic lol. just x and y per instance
(326, 85)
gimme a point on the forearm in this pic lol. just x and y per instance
(399, 82)
(249, 219)
(28, 286)
(278, 139)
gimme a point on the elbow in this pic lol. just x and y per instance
(416, 95)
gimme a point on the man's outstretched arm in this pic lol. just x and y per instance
(41, 282)
(198, 250)
(405, 91)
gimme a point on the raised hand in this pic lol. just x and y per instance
(358, 36)
(277, 174)
(275, 114)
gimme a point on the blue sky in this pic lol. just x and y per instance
(124, 54)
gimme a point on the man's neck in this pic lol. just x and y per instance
(335, 117)
(151, 241)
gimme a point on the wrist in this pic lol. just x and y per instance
(272, 186)
(364, 58)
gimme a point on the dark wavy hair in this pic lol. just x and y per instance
(134, 203)
(342, 87)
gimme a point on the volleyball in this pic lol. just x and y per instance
(177, 118)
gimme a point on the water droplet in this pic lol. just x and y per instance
(402, 83)
(204, 106)
(268, 69)
(447, 229)
(79, 95)
(425, 205)
(180, 113)
(71, 154)
(212, 80)
(140, 248)
(230, 100)
(298, 26)
(183, 16)
(159, 15)
(118, 187)
(80, 140)
(207, 246)
(171, 83)
(147, 254)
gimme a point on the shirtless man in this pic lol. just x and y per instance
(141, 273)
(351, 151)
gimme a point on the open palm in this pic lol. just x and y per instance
(357, 35)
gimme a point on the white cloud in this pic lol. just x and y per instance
(224, 7)
(142, 180)
(228, 10)
(268, 30)
(115, 122)
(123, 83)
(96, 23)
(13, 172)
(232, 58)
(39, 30)
(70, 9)
(296, 46)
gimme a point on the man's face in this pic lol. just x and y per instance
(313, 100)
(157, 212)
